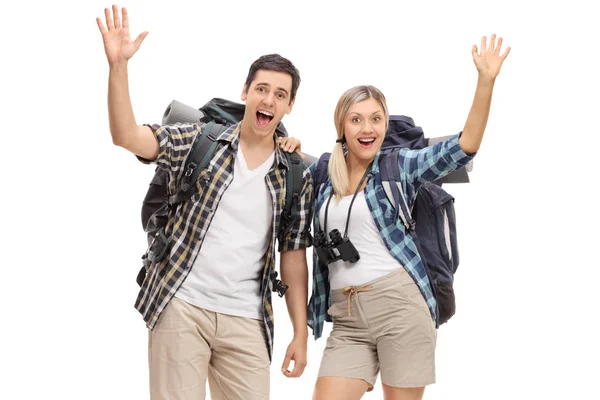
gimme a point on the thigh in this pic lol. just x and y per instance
(239, 368)
(392, 393)
(178, 353)
(350, 351)
(335, 388)
(407, 339)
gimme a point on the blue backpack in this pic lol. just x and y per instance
(432, 220)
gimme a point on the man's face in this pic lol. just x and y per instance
(267, 100)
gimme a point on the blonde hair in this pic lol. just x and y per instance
(337, 168)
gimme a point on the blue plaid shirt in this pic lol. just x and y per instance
(416, 166)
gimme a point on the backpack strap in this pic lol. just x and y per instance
(392, 185)
(294, 184)
(321, 171)
(293, 188)
(200, 155)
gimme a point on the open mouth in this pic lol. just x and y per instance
(263, 118)
(366, 142)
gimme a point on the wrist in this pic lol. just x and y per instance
(486, 79)
(301, 334)
(118, 66)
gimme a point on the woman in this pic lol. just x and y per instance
(382, 307)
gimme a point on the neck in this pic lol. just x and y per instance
(356, 165)
(250, 140)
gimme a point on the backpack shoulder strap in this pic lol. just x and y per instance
(293, 188)
(392, 185)
(321, 170)
(200, 155)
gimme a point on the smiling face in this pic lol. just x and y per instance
(267, 101)
(365, 125)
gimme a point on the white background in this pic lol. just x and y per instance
(526, 325)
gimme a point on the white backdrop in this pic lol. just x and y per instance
(527, 283)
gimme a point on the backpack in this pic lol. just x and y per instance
(432, 222)
(218, 115)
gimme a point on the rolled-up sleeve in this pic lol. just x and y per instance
(174, 143)
(434, 162)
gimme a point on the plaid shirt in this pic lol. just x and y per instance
(187, 227)
(416, 166)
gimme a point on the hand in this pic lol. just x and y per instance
(290, 145)
(117, 43)
(296, 351)
(489, 61)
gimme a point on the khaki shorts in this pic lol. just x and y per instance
(384, 325)
(190, 345)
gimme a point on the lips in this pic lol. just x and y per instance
(263, 118)
(366, 142)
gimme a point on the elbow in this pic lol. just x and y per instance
(119, 140)
(470, 150)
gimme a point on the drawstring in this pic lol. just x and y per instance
(352, 290)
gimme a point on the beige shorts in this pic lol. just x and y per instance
(190, 345)
(384, 325)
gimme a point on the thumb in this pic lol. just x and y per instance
(138, 41)
(474, 51)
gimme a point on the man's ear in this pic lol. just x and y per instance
(244, 92)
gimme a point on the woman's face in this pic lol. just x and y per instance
(364, 129)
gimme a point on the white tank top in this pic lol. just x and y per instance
(375, 259)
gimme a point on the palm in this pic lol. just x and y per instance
(489, 61)
(117, 42)
(118, 45)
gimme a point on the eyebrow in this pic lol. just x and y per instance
(373, 113)
(269, 85)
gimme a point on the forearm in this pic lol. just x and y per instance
(295, 275)
(472, 135)
(122, 122)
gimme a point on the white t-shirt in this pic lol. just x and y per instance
(226, 275)
(375, 259)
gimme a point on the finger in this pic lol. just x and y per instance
(286, 364)
(125, 18)
(474, 51)
(493, 42)
(116, 17)
(497, 50)
(109, 20)
(302, 155)
(483, 43)
(138, 41)
(503, 56)
(298, 369)
(101, 26)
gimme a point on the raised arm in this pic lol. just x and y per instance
(488, 62)
(119, 48)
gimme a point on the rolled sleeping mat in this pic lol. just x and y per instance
(178, 112)
(458, 176)
(309, 159)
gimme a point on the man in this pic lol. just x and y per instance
(208, 305)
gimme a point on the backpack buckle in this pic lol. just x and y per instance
(412, 224)
(157, 250)
(278, 286)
